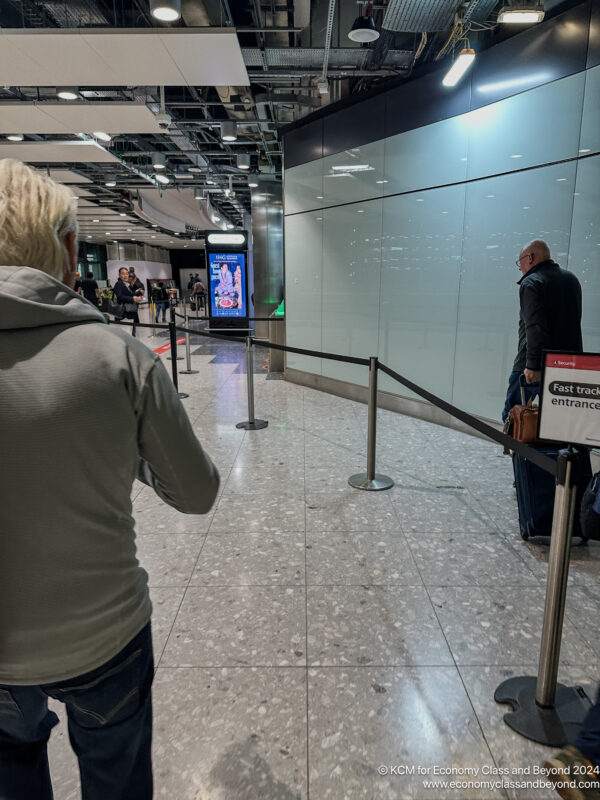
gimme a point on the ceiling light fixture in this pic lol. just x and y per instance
(67, 92)
(161, 177)
(243, 161)
(463, 61)
(110, 181)
(15, 137)
(165, 10)
(228, 130)
(521, 14)
(159, 161)
(252, 181)
(363, 28)
(104, 137)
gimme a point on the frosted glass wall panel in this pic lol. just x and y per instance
(355, 174)
(590, 124)
(584, 255)
(429, 156)
(501, 215)
(351, 278)
(422, 244)
(303, 187)
(303, 289)
(535, 127)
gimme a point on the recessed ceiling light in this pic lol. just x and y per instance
(228, 130)
(89, 236)
(67, 92)
(210, 182)
(153, 236)
(95, 220)
(194, 169)
(104, 137)
(154, 225)
(161, 178)
(159, 161)
(15, 137)
(243, 161)
(110, 181)
(585, 149)
(462, 63)
(108, 233)
(517, 155)
(165, 10)
(381, 181)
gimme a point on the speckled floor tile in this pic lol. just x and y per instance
(373, 625)
(584, 564)
(350, 510)
(251, 512)
(251, 559)
(239, 626)
(169, 558)
(499, 626)
(280, 479)
(369, 559)
(165, 607)
(230, 734)
(363, 722)
(161, 518)
(512, 752)
(439, 511)
(465, 560)
(583, 611)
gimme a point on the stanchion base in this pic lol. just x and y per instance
(188, 371)
(182, 395)
(379, 482)
(554, 727)
(257, 425)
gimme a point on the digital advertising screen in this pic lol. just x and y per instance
(227, 276)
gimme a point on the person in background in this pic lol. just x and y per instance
(190, 283)
(549, 317)
(74, 603)
(199, 292)
(89, 289)
(77, 285)
(161, 299)
(137, 287)
(126, 297)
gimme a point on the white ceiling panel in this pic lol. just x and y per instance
(46, 152)
(113, 118)
(121, 57)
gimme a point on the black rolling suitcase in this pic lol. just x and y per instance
(535, 493)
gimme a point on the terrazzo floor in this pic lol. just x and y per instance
(315, 641)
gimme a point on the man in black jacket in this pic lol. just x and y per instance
(549, 319)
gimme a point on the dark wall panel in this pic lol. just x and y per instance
(594, 49)
(354, 126)
(303, 144)
(542, 54)
(423, 101)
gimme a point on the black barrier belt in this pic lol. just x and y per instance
(211, 335)
(539, 459)
(363, 362)
(138, 324)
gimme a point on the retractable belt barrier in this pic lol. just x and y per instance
(543, 710)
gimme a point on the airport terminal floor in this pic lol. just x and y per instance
(312, 640)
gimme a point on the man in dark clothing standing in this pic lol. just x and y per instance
(549, 318)
(89, 289)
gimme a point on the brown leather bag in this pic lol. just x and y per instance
(522, 422)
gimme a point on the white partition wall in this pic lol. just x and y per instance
(405, 247)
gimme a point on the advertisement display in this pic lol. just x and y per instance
(227, 277)
(570, 398)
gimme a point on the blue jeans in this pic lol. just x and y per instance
(161, 306)
(109, 714)
(588, 739)
(513, 394)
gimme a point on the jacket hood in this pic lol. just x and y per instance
(30, 298)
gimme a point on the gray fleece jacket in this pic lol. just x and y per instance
(84, 407)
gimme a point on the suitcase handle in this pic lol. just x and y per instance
(522, 385)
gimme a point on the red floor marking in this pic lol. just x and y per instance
(166, 347)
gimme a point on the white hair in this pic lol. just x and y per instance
(35, 214)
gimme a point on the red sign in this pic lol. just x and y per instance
(572, 362)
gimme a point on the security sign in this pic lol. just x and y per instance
(570, 399)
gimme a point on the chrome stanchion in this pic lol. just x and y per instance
(173, 356)
(188, 356)
(544, 710)
(370, 480)
(252, 424)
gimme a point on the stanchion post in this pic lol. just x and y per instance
(172, 306)
(188, 356)
(369, 480)
(173, 340)
(252, 424)
(544, 710)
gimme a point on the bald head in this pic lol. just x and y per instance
(533, 253)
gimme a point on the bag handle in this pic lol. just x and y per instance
(522, 385)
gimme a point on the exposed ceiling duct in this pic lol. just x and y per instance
(414, 16)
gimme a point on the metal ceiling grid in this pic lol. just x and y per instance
(415, 16)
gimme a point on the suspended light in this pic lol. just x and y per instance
(104, 137)
(159, 161)
(15, 137)
(161, 177)
(252, 181)
(228, 130)
(67, 92)
(111, 180)
(198, 194)
(243, 161)
(363, 30)
(165, 10)
(521, 14)
(461, 65)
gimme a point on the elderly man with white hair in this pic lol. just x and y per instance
(84, 408)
